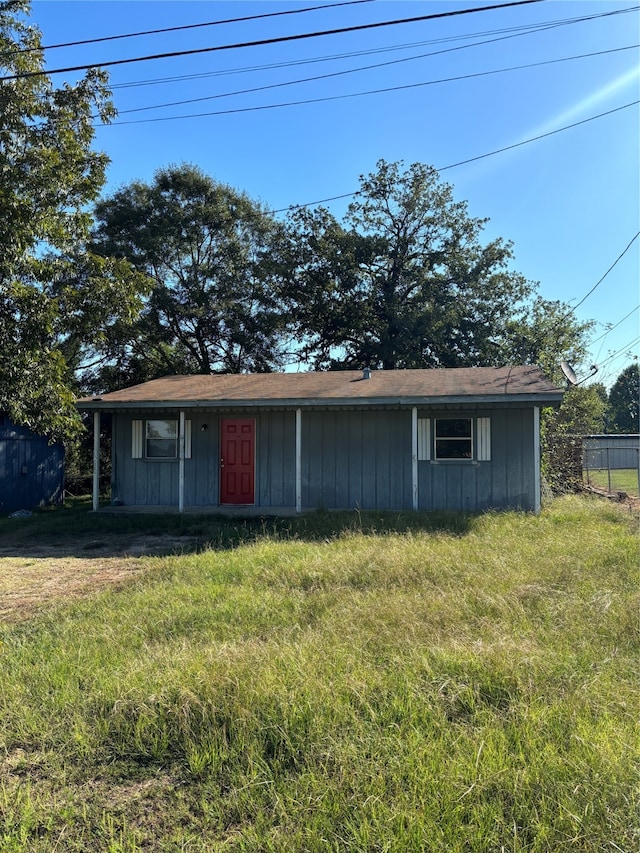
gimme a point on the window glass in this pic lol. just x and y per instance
(162, 439)
(453, 439)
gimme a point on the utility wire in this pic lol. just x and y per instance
(541, 136)
(277, 40)
(512, 32)
(619, 323)
(480, 157)
(369, 68)
(183, 27)
(618, 353)
(598, 283)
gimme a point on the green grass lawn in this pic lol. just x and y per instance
(622, 480)
(337, 683)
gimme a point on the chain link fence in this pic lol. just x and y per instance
(611, 463)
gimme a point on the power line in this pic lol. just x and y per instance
(277, 40)
(598, 283)
(541, 136)
(479, 157)
(619, 323)
(368, 68)
(513, 32)
(381, 91)
(618, 353)
(183, 27)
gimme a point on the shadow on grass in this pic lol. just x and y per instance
(74, 531)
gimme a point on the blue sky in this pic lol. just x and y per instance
(569, 202)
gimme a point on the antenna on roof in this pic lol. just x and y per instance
(570, 374)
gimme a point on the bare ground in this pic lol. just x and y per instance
(35, 577)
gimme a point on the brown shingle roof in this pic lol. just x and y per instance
(337, 387)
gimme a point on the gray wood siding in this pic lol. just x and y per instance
(31, 470)
(147, 482)
(349, 459)
(356, 459)
(276, 459)
(508, 480)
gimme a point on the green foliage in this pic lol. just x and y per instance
(583, 412)
(48, 174)
(406, 282)
(423, 690)
(544, 334)
(624, 401)
(207, 250)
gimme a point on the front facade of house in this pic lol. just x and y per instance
(31, 469)
(459, 439)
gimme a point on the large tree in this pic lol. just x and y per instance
(209, 252)
(405, 282)
(49, 173)
(624, 401)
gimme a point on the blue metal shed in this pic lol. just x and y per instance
(614, 452)
(31, 469)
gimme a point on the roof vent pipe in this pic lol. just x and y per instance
(366, 373)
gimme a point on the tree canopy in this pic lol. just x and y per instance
(208, 253)
(624, 401)
(49, 174)
(406, 281)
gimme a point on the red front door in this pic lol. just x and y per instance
(237, 461)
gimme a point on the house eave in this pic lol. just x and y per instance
(544, 400)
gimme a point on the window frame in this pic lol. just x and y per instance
(467, 439)
(174, 439)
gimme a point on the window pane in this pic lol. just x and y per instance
(162, 439)
(453, 448)
(162, 429)
(161, 448)
(453, 428)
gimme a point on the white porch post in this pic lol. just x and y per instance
(96, 460)
(414, 457)
(298, 460)
(181, 463)
(537, 497)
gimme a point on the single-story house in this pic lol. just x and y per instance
(31, 469)
(459, 439)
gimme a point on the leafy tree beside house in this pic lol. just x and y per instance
(49, 173)
(208, 252)
(405, 282)
(624, 401)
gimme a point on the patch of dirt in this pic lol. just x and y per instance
(631, 501)
(34, 577)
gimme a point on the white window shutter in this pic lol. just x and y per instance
(136, 439)
(424, 439)
(484, 439)
(187, 439)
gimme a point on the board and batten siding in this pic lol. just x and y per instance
(356, 459)
(148, 482)
(349, 459)
(505, 480)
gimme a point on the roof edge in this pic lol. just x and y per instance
(549, 398)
